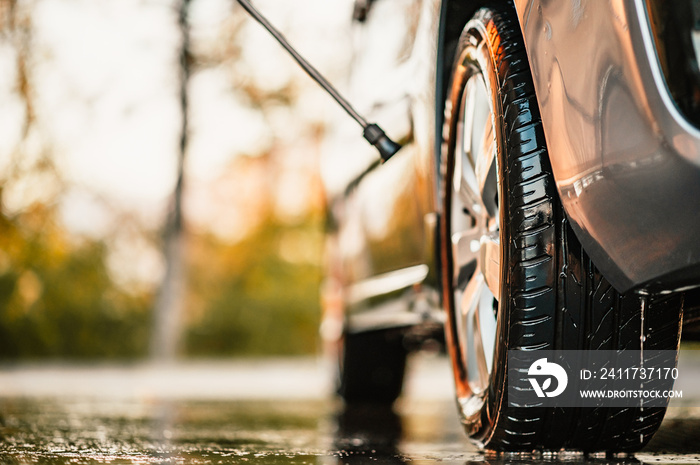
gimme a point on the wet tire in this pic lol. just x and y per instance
(549, 295)
(372, 367)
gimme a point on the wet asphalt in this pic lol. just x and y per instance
(272, 412)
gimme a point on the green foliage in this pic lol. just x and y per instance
(258, 296)
(57, 299)
(254, 297)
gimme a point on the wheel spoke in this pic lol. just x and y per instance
(469, 104)
(469, 306)
(479, 354)
(485, 170)
(465, 250)
(490, 260)
(474, 357)
(486, 330)
(483, 145)
(466, 185)
(465, 180)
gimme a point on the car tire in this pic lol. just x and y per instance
(514, 276)
(372, 366)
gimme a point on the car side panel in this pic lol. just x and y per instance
(627, 164)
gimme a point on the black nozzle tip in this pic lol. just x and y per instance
(376, 136)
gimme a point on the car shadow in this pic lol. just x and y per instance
(366, 433)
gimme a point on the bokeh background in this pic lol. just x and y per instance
(159, 177)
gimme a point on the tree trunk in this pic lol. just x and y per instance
(169, 305)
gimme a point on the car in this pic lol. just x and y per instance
(545, 199)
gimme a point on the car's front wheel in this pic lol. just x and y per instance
(514, 274)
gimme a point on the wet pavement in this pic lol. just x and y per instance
(274, 412)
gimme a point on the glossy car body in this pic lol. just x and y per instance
(625, 159)
(627, 162)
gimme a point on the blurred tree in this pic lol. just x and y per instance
(17, 25)
(168, 310)
(57, 298)
(249, 290)
(259, 295)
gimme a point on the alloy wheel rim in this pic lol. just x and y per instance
(474, 233)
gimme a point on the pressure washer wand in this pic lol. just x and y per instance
(371, 132)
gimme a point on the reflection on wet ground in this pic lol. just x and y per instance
(317, 430)
(288, 432)
(303, 432)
